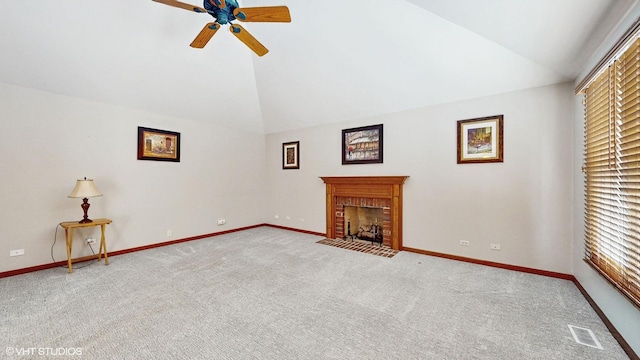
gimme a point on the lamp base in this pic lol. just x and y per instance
(85, 207)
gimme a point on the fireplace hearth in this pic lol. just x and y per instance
(378, 200)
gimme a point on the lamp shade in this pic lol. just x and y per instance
(85, 189)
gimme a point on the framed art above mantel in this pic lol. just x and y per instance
(362, 145)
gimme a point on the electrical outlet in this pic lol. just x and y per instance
(222, 221)
(169, 233)
(494, 246)
(277, 216)
(18, 252)
(90, 241)
(464, 242)
(288, 217)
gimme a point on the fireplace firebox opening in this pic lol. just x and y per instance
(363, 223)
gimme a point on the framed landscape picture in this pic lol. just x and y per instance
(291, 155)
(162, 145)
(480, 140)
(362, 145)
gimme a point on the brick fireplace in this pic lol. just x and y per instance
(383, 192)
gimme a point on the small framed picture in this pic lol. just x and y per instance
(362, 145)
(162, 145)
(291, 155)
(481, 140)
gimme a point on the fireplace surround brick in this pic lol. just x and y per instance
(366, 191)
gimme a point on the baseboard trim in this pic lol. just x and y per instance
(32, 269)
(296, 230)
(178, 241)
(120, 252)
(612, 329)
(493, 264)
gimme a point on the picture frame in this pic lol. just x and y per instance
(291, 155)
(159, 145)
(480, 140)
(362, 145)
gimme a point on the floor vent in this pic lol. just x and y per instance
(584, 336)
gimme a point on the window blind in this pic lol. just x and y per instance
(612, 173)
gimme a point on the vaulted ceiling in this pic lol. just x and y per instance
(337, 60)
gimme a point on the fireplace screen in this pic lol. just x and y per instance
(363, 223)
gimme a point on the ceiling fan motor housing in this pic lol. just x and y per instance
(222, 15)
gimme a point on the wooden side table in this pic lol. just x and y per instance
(69, 226)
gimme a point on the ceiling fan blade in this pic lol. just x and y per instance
(263, 14)
(205, 35)
(182, 5)
(248, 39)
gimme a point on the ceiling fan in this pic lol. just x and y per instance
(226, 11)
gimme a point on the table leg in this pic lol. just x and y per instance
(69, 236)
(103, 246)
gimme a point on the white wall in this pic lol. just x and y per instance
(619, 310)
(48, 141)
(524, 204)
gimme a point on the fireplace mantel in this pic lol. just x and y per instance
(372, 189)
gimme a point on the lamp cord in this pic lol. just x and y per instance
(55, 238)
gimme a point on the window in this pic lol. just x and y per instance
(612, 172)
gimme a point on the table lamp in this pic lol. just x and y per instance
(85, 189)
